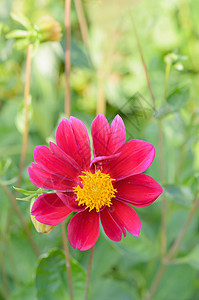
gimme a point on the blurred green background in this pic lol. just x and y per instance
(108, 68)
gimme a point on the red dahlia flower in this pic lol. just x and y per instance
(97, 189)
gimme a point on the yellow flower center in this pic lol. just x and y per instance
(97, 190)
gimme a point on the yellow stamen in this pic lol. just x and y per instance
(97, 190)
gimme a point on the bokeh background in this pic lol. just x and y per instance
(106, 67)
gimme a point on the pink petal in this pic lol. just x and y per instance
(53, 162)
(106, 141)
(49, 209)
(135, 157)
(125, 216)
(138, 190)
(83, 230)
(111, 228)
(69, 200)
(118, 134)
(47, 180)
(72, 137)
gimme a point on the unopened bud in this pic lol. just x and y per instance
(40, 227)
(49, 29)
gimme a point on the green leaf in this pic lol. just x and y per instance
(4, 165)
(192, 258)
(29, 198)
(180, 194)
(51, 277)
(175, 101)
(26, 292)
(20, 118)
(17, 34)
(177, 283)
(108, 289)
(25, 192)
(21, 19)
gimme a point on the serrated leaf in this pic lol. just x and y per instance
(51, 277)
(180, 194)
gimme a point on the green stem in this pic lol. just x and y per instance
(167, 72)
(67, 256)
(173, 251)
(89, 273)
(144, 64)
(162, 175)
(67, 58)
(26, 96)
(82, 21)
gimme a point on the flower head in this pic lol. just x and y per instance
(97, 190)
(49, 29)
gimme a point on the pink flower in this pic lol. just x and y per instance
(99, 189)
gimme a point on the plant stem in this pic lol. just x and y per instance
(178, 241)
(67, 256)
(26, 96)
(6, 286)
(67, 58)
(173, 251)
(82, 21)
(21, 218)
(101, 101)
(162, 175)
(167, 72)
(67, 112)
(89, 273)
(143, 63)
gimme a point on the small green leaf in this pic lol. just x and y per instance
(29, 198)
(51, 277)
(180, 194)
(17, 34)
(21, 19)
(4, 165)
(25, 192)
(20, 118)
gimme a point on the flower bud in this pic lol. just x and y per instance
(49, 29)
(40, 227)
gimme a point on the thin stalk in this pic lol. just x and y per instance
(143, 63)
(6, 285)
(67, 58)
(101, 101)
(26, 96)
(82, 21)
(162, 175)
(89, 273)
(167, 72)
(21, 218)
(173, 251)
(67, 256)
